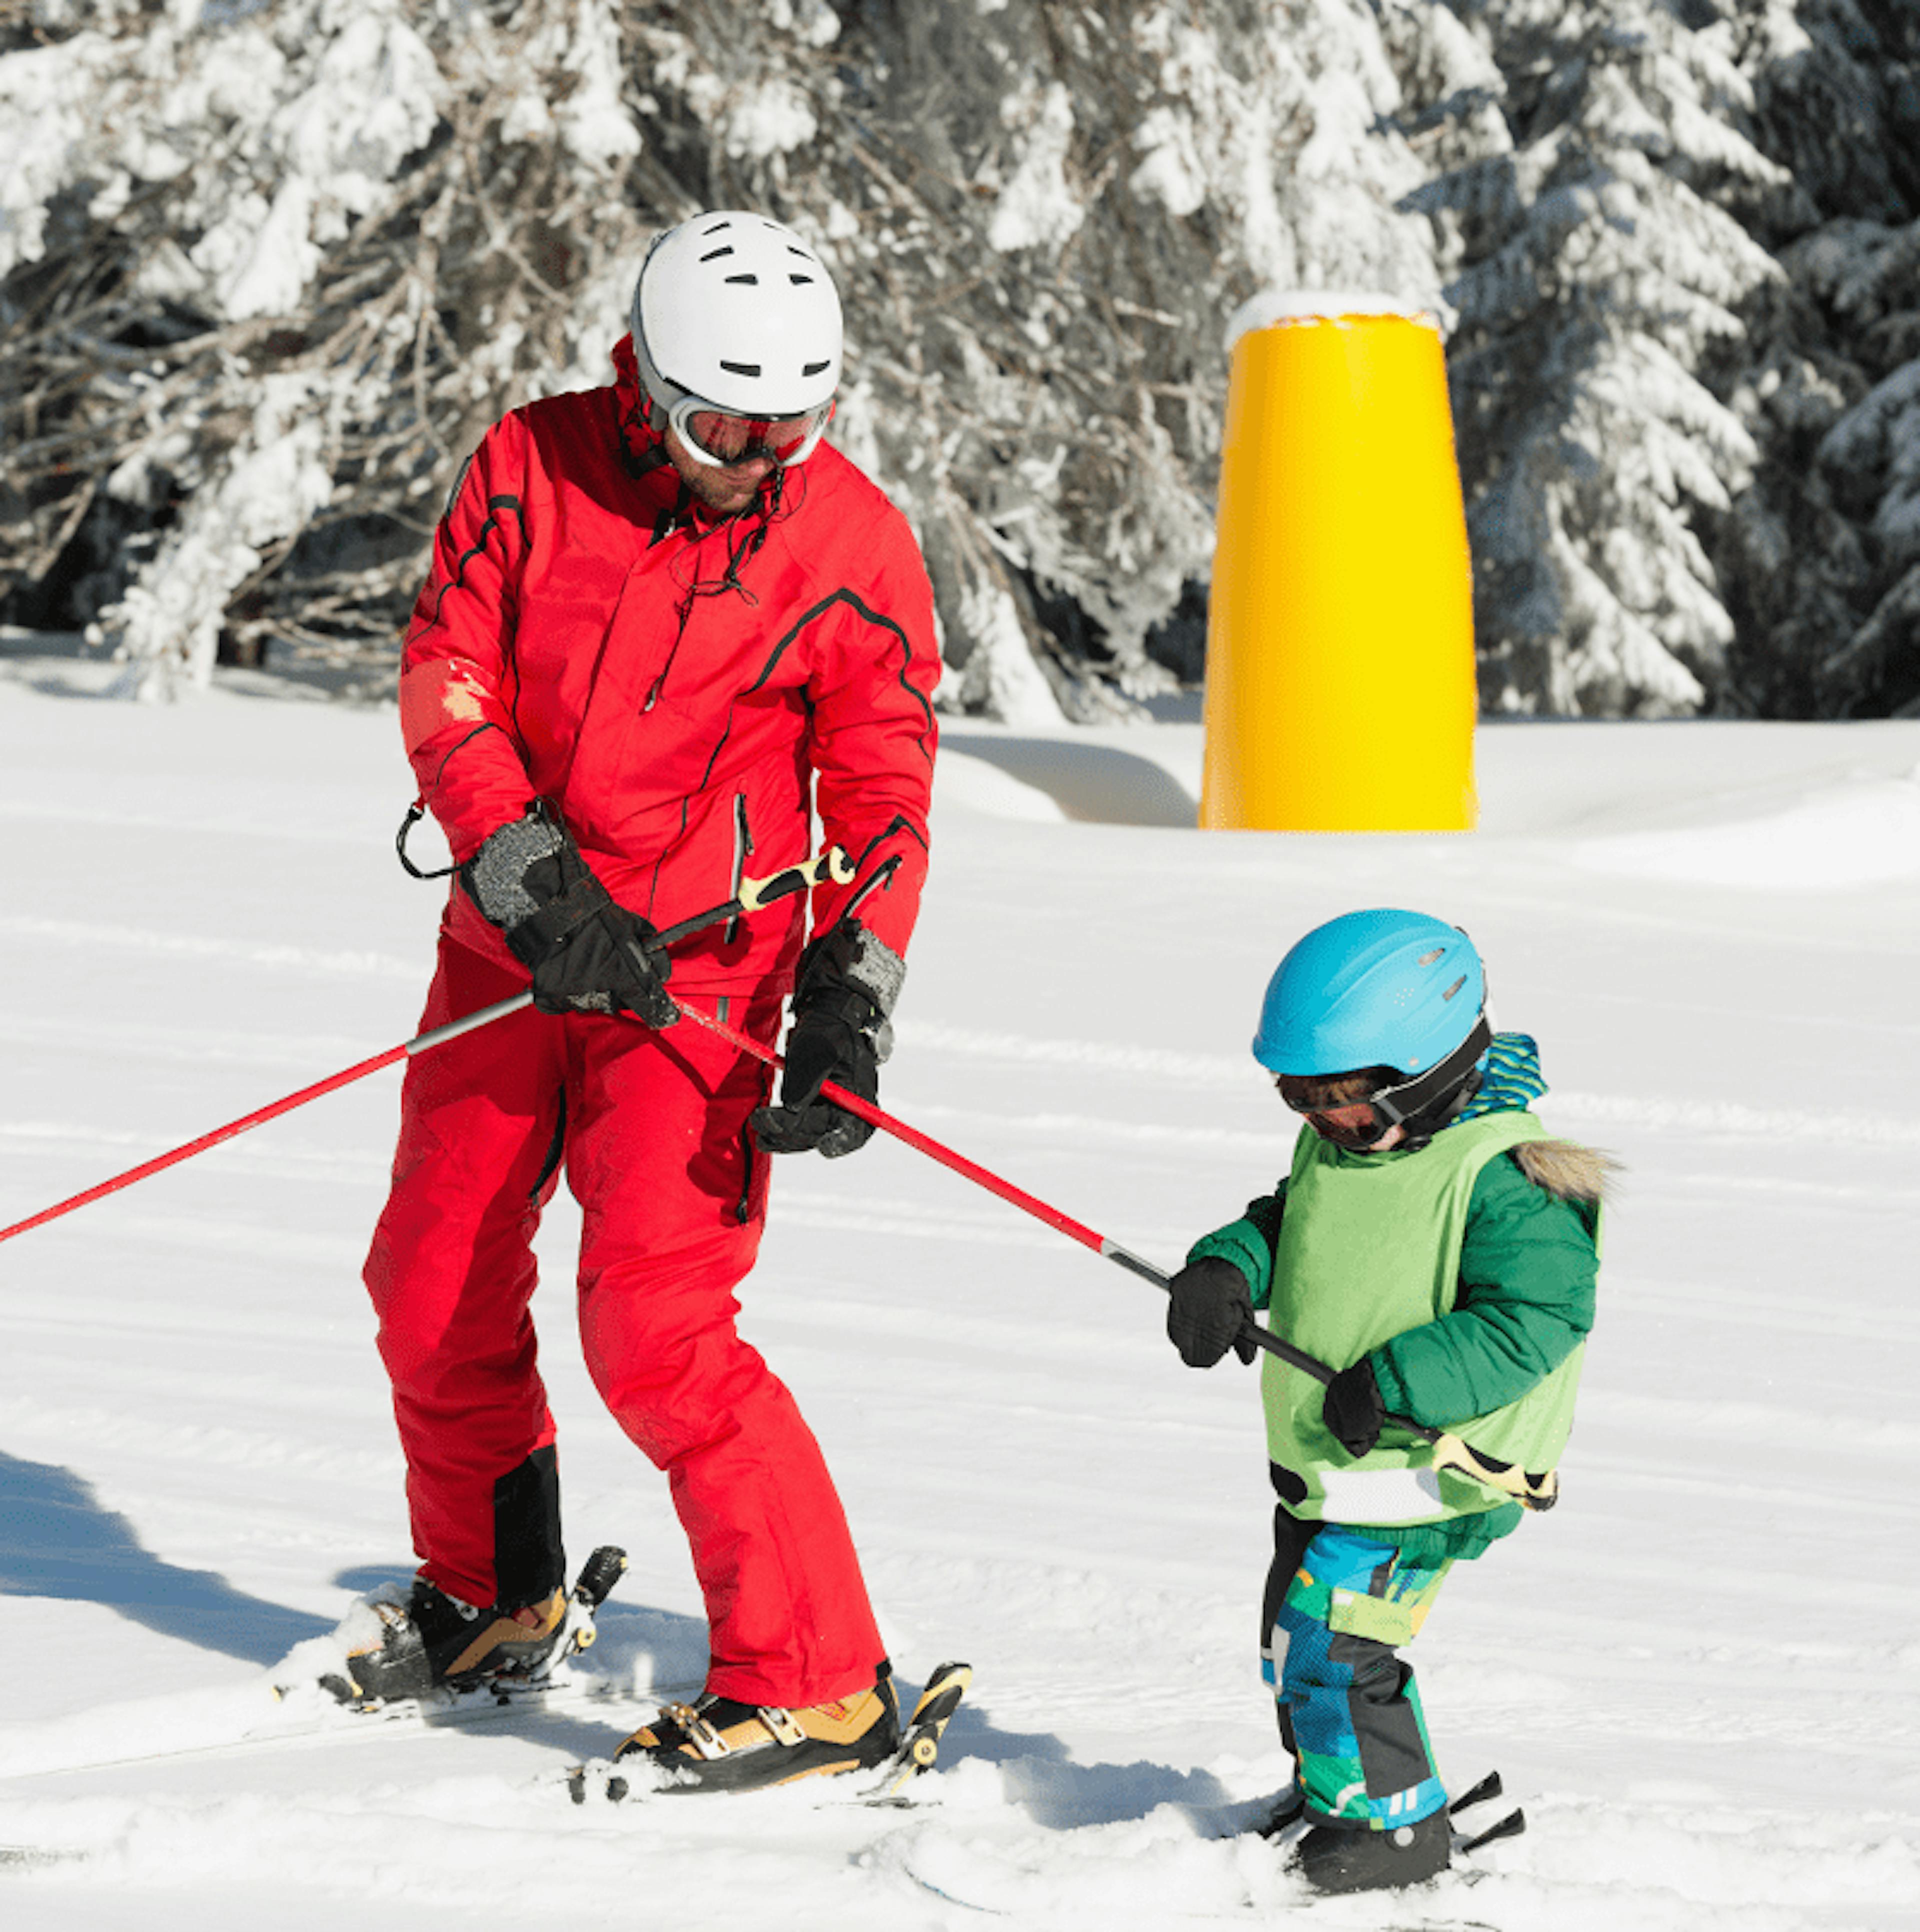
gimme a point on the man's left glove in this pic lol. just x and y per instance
(586, 953)
(847, 983)
(1353, 1411)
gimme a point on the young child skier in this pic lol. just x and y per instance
(1433, 1245)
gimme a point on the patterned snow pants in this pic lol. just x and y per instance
(1339, 1604)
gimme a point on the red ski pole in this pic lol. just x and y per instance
(754, 893)
(866, 1110)
(1534, 1491)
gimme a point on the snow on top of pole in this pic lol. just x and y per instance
(1280, 307)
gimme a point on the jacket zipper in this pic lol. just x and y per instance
(743, 850)
(882, 878)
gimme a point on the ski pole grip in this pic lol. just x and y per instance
(832, 864)
(1532, 1491)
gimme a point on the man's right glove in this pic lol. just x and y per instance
(586, 953)
(847, 983)
(1211, 1311)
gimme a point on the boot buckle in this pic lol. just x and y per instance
(782, 1723)
(700, 1733)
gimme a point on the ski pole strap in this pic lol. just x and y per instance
(416, 812)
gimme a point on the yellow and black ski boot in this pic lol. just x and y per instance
(433, 1642)
(718, 1744)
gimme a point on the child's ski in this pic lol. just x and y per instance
(1509, 1826)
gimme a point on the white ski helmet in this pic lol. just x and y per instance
(734, 313)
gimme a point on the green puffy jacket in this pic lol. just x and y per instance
(1528, 1268)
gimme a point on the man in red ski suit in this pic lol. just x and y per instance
(660, 616)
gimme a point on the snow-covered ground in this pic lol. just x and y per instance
(1701, 1674)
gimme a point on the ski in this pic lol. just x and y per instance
(919, 1742)
(1467, 1841)
(1285, 1818)
(286, 1708)
(884, 1784)
(1489, 1786)
(1511, 1826)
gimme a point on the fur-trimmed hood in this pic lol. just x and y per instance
(1567, 1169)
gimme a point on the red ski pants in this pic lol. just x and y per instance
(651, 1130)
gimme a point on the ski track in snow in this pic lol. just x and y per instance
(1698, 1675)
(142, 941)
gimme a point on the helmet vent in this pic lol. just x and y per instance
(740, 368)
(1428, 959)
(800, 281)
(714, 254)
(1454, 988)
(752, 279)
(814, 368)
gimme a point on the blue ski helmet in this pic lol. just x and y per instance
(1376, 988)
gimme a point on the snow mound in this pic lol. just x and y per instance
(1853, 835)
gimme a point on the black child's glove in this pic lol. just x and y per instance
(1353, 1411)
(586, 954)
(1210, 1311)
(848, 982)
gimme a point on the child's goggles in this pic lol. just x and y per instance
(720, 439)
(1367, 1120)
(1357, 1124)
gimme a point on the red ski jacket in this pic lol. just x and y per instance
(675, 686)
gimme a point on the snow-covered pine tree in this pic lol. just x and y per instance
(1043, 218)
(273, 265)
(267, 270)
(267, 266)
(1822, 553)
(1598, 288)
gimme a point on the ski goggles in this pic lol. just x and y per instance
(1367, 1119)
(1355, 1124)
(721, 440)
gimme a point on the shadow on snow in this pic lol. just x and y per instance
(1099, 783)
(57, 1540)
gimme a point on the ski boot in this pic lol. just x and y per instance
(1346, 1857)
(434, 1642)
(1282, 1820)
(718, 1744)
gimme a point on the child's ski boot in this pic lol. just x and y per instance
(1336, 1858)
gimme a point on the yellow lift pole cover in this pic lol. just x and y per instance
(1340, 686)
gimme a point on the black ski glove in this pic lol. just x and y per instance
(586, 954)
(1353, 1411)
(848, 982)
(1211, 1312)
